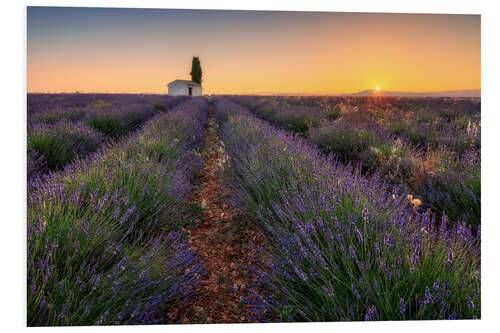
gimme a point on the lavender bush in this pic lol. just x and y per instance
(425, 122)
(62, 127)
(341, 246)
(61, 142)
(456, 190)
(349, 143)
(119, 121)
(423, 145)
(298, 119)
(103, 240)
(46, 102)
(36, 166)
(53, 116)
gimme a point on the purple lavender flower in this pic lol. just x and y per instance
(371, 313)
(355, 291)
(428, 296)
(402, 306)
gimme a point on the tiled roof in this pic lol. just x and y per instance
(187, 82)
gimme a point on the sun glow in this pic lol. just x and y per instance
(359, 49)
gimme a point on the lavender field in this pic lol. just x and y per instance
(146, 209)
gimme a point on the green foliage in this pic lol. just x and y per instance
(346, 143)
(60, 146)
(397, 127)
(53, 117)
(461, 123)
(456, 193)
(118, 124)
(334, 114)
(107, 124)
(159, 107)
(45, 117)
(196, 72)
(101, 103)
(449, 114)
(295, 122)
(419, 137)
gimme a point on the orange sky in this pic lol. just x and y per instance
(136, 50)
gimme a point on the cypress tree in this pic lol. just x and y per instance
(196, 70)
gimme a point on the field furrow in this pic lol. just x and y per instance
(226, 241)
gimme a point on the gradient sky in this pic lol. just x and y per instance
(141, 50)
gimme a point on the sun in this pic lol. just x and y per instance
(377, 88)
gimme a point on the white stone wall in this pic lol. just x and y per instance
(181, 89)
(177, 89)
(196, 91)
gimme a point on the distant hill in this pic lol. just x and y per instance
(373, 92)
(446, 93)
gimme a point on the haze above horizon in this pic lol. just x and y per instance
(118, 50)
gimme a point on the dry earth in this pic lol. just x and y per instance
(226, 240)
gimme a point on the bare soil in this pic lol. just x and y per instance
(226, 240)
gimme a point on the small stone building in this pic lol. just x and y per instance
(184, 88)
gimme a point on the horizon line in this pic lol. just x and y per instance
(257, 93)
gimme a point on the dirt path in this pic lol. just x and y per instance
(226, 240)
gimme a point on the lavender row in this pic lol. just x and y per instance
(425, 122)
(340, 246)
(49, 109)
(48, 103)
(56, 138)
(103, 235)
(445, 181)
(440, 180)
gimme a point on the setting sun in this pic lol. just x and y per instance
(377, 88)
